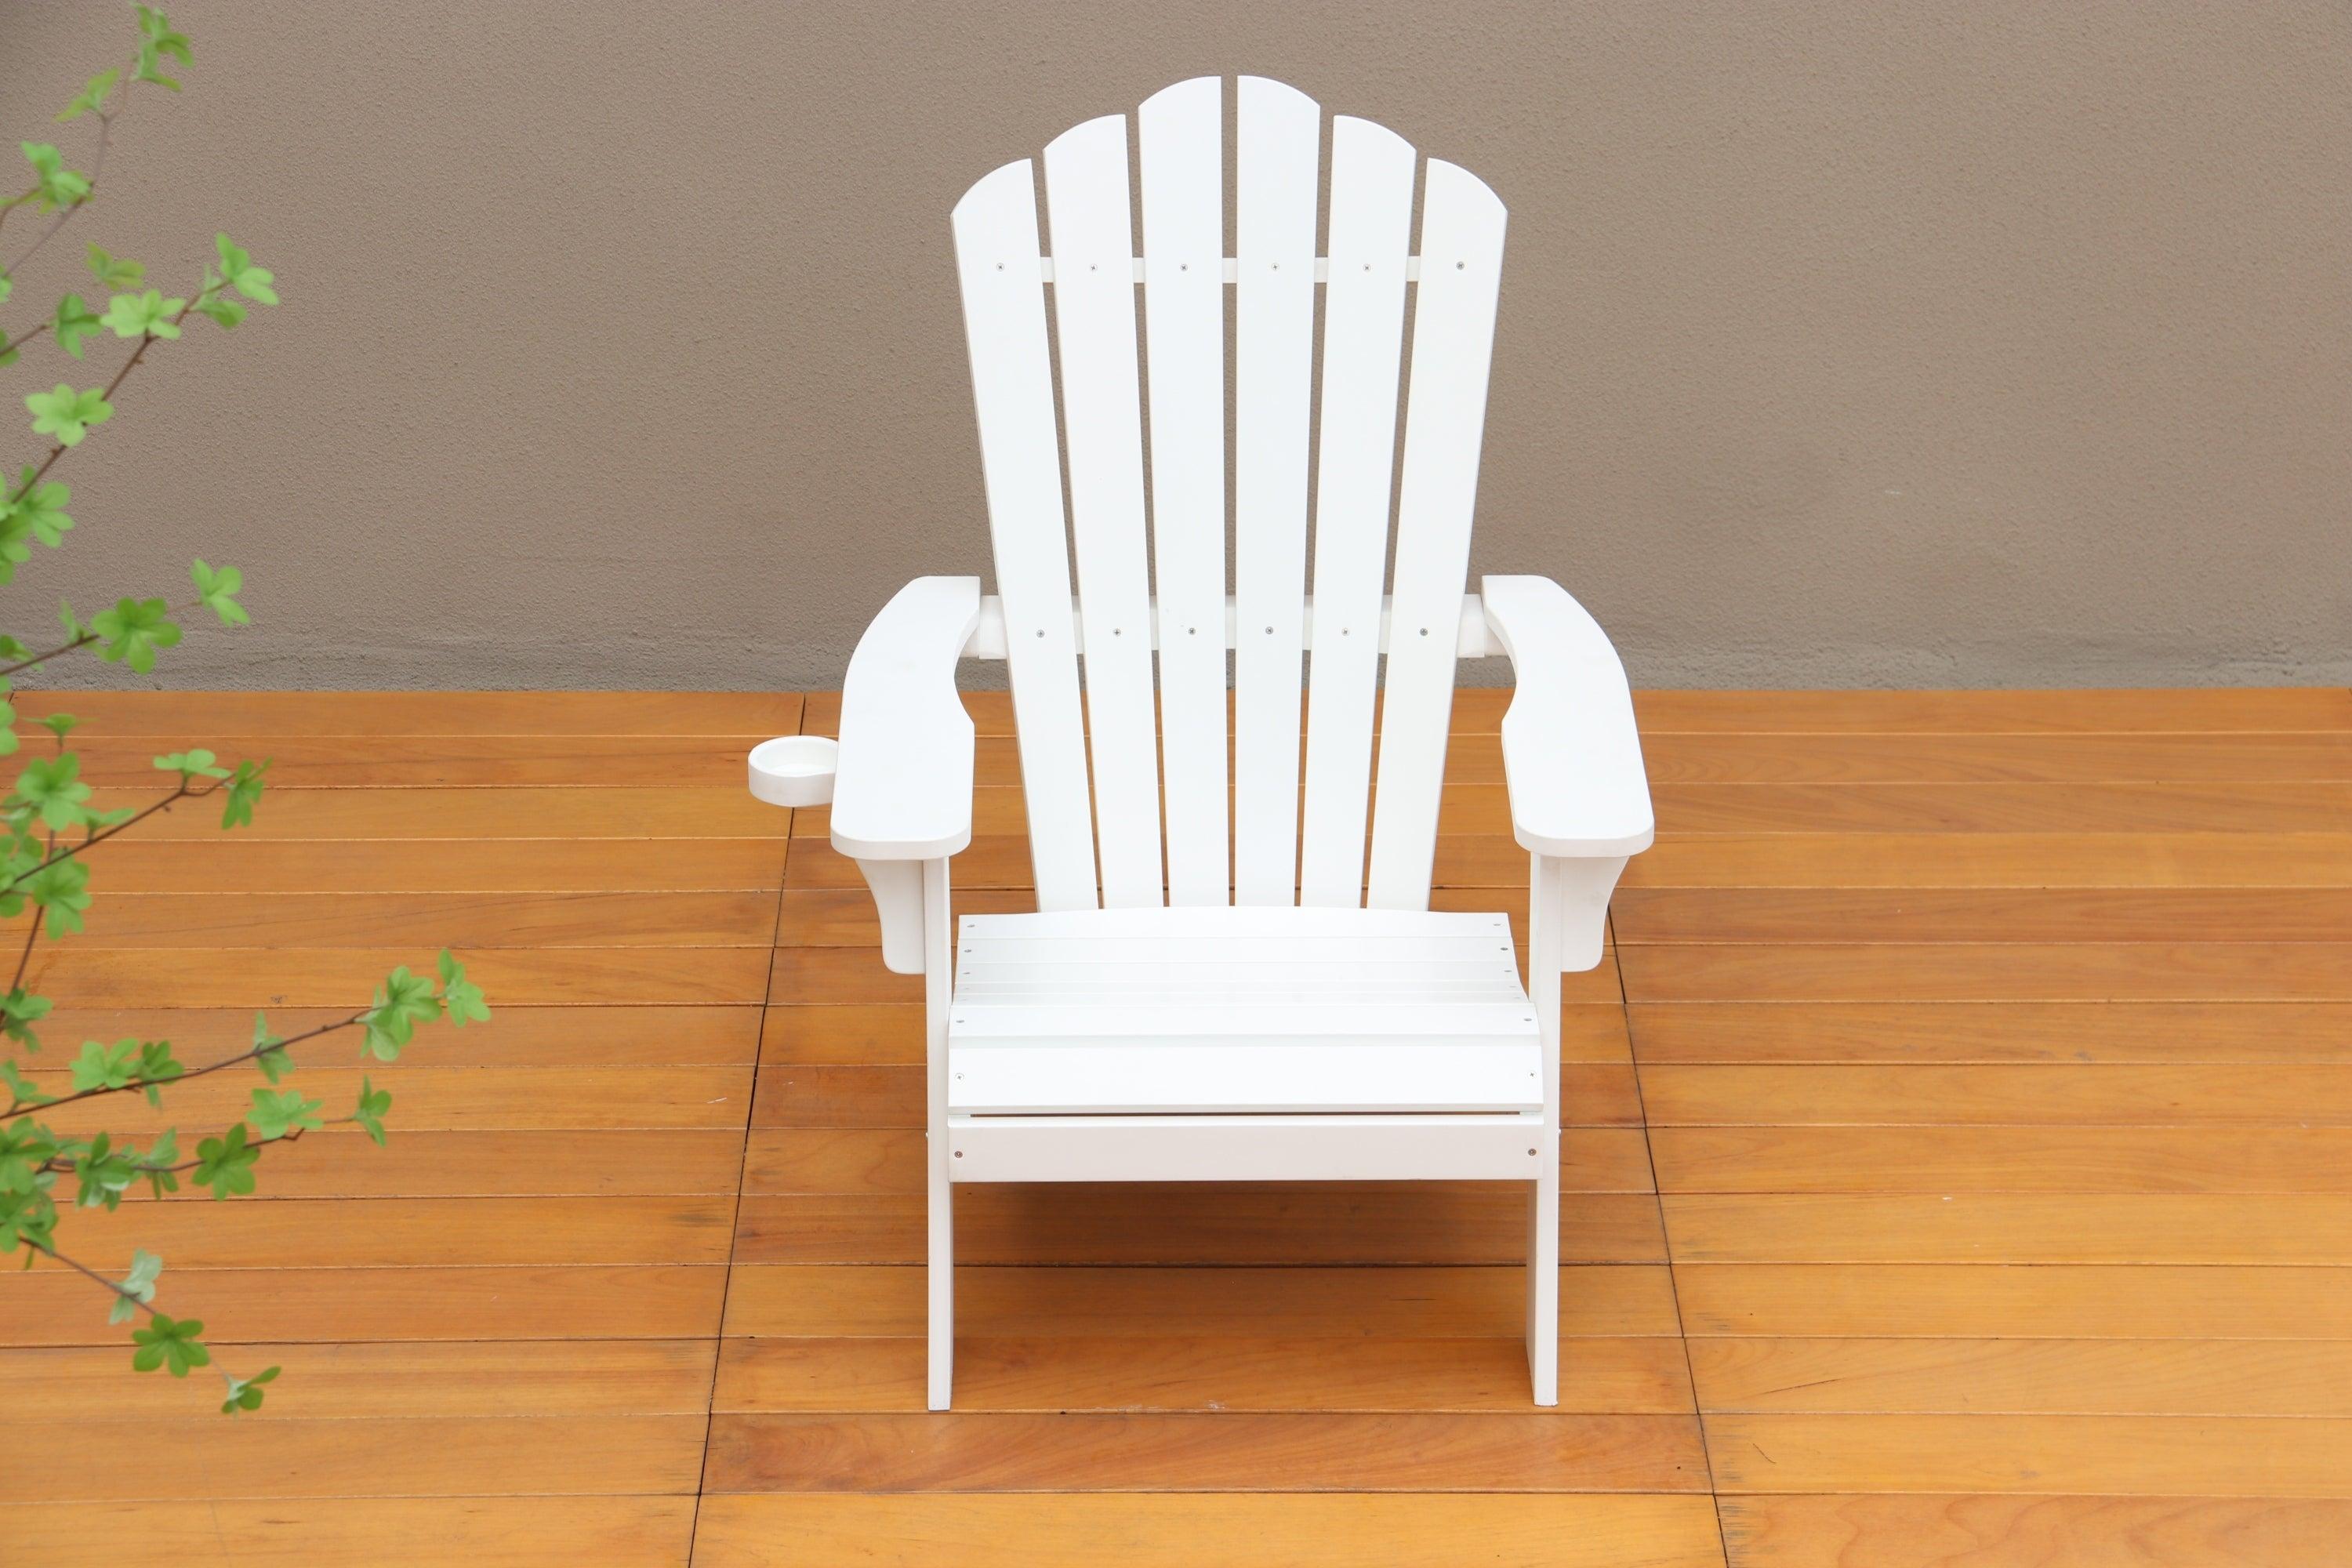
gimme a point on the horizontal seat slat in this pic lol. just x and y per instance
(1252, 1010)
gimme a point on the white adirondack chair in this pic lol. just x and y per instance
(1173, 1013)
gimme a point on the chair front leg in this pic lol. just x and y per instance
(1567, 925)
(938, 973)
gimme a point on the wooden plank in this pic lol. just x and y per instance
(442, 864)
(2005, 1376)
(409, 1302)
(1063, 1304)
(1181, 129)
(236, 920)
(2034, 1532)
(1727, 757)
(2146, 1456)
(337, 1162)
(583, 1038)
(890, 1160)
(1992, 972)
(443, 762)
(1182, 1529)
(2003, 1159)
(1199, 1222)
(380, 716)
(1530, 1451)
(621, 1531)
(1020, 449)
(2089, 860)
(1276, 145)
(329, 977)
(1190, 1371)
(478, 1100)
(2084, 1031)
(1986, 914)
(2140, 1302)
(2111, 1094)
(2196, 710)
(584, 812)
(601, 1378)
(2007, 1228)
(205, 1457)
(1446, 416)
(2294, 806)
(384, 1232)
(1363, 334)
(1093, 228)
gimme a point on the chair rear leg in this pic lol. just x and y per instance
(941, 1281)
(938, 968)
(1543, 1284)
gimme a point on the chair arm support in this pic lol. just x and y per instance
(1571, 757)
(902, 788)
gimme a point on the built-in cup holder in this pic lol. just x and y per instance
(795, 769)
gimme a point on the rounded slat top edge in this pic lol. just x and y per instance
(989, 187)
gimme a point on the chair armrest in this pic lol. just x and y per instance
(902, 788)
(1571, 753)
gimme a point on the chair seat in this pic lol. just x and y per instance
(1240, 1011)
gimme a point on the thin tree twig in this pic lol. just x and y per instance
(246, 1056)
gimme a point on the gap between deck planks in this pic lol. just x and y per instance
(1993, 1048)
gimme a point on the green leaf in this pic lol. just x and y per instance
(25, 1147)
(42, 507)
(26, 1217)
(217, 591)
(194, 763)
(402, 1002)
(74, 322)
(242, 793)
(61, 889)
(277, 1111)
(131, 315)
(137, 1286)
(59, 724)
(19, 1010)
(239, 273)
(274, 1064)
(134, 630)
(114, 273)
(106, 1066)
(23, 1095)
(373, 1103)
(67, 415)
(57, 186)
(157, 1066)
(52, 786)
(171, 1343)
(460, 996)
(91, 100)
(244, 1392)
(225, 1163)
(102, 1173)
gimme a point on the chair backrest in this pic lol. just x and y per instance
(1106, 832)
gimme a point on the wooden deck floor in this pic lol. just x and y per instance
(1960, 1174)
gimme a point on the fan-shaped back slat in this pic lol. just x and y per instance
(1445, 418)
(1181, 131)
(1363, 331)
(1092, 226)
(1012, 389)
(1276, 146)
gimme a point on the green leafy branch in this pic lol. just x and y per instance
(59, 189)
